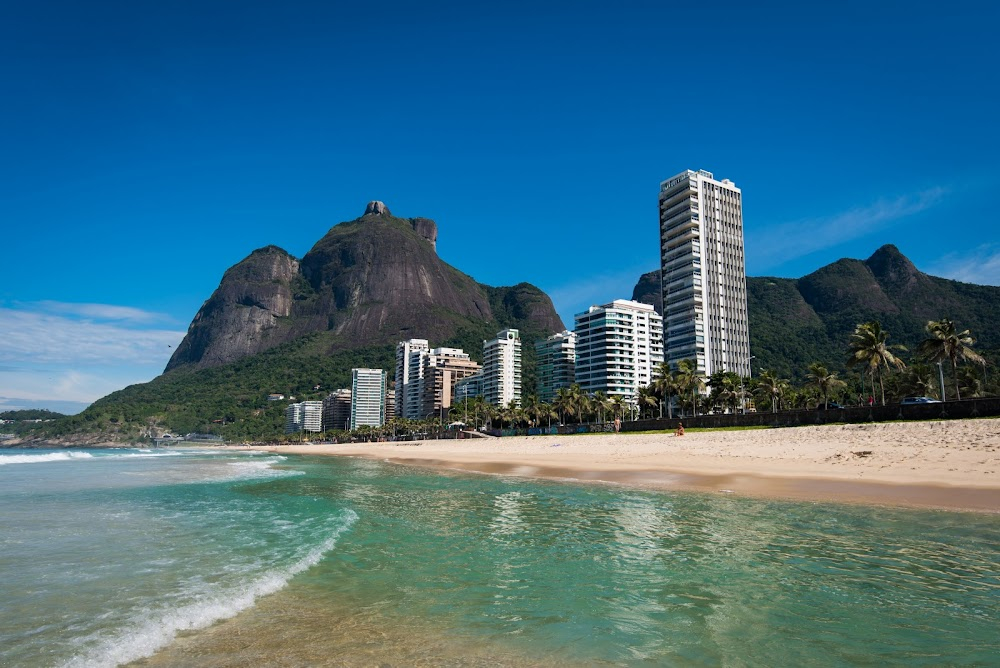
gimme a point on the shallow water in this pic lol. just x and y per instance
(225, 559)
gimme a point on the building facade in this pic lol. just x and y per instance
(337, 410)
(703, 273)
(442, 369)
(618, 347)
(469, 387)
(304, 416)
(555, 362)
(409, 370)
(502, 369)
(367, 397)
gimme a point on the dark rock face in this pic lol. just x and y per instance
(243, 315)
(427, 229)
(373, 280)
(648, 290)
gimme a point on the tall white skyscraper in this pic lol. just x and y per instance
(367, 397)
(409, 369)
(618, 346)
(703, 273)
(502, 369)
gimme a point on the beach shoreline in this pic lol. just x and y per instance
(937, 464)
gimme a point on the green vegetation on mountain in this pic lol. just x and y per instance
(797, 322)
(284, 326)
(30, 414)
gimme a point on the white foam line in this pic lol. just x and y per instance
(39, 459)
(156, 629)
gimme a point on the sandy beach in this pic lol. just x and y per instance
(946, 464)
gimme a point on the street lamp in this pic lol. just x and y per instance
(941, 380)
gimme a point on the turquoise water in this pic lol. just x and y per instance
(208, 558)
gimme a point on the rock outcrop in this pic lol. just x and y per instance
(370, 281)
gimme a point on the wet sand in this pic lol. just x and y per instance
(944, 464)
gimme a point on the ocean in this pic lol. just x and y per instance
(200, 557)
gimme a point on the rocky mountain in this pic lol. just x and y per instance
(373, 280)
(298, 326)
(794, 322)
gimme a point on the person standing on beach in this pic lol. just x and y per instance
(618, 424)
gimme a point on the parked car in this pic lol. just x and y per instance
(918, 400)
(833, 406)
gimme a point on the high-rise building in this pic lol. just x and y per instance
(703, 273)
(469, 387)
(618, 346)
(304, 416)
(337, 410)
(555, 361)
(367, 397)
(443, 368)
(409, 369)
(502, 369)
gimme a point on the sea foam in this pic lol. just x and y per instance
(153, 629)
(40, 459)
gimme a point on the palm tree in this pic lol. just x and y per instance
(617, 405)
(647, 400)
(665, 384)
(570, 402)
(868, 348)
(725, 389)
(546, 412)
(599, 403)
(530, 409)
(772, 388)
(917, 380)
(688, 380)
(824, 381)
(945, 342)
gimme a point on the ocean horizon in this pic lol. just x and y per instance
(202, 557)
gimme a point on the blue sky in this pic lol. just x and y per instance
(147, 147)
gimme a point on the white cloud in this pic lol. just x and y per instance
(980, 266)
(28, 337)
(101, 311)
(775, 244)
(71, 385)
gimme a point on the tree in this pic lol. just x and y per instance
(825, 382)
(868, 349)
(944, 341)
(725, 390)
(647, 400)
(665, 385)
(599, 404)
(688, 380)
(569, 401)
(771, 388)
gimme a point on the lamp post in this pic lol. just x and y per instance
(941, 380)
